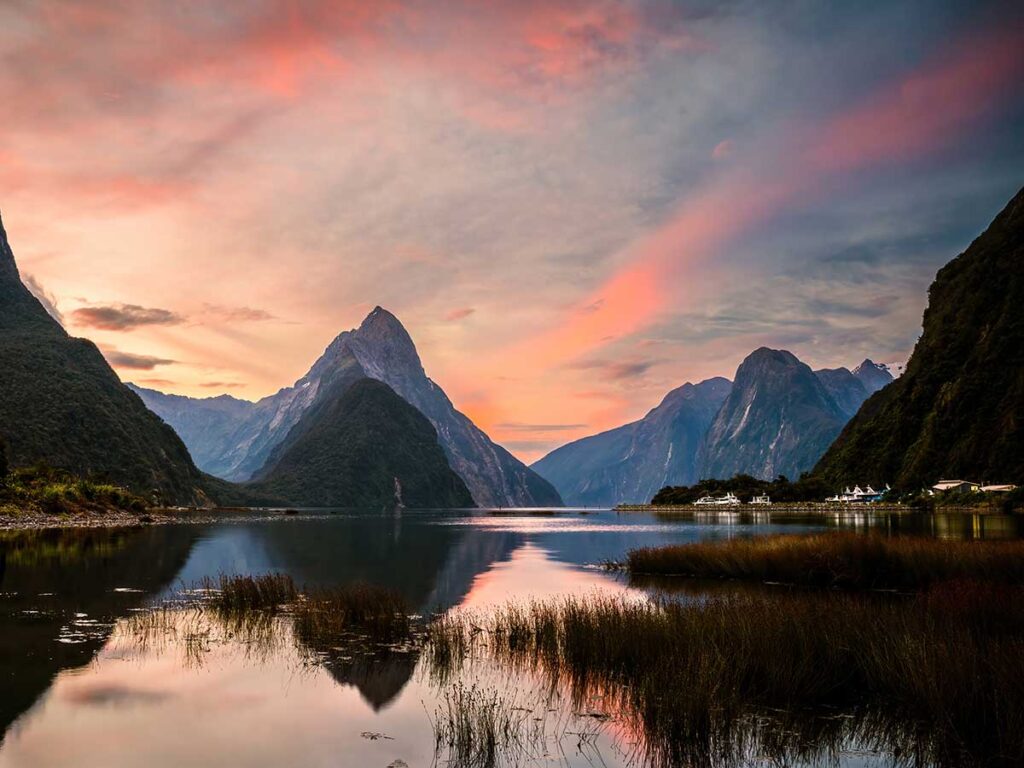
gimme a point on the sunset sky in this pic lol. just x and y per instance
(572, 206)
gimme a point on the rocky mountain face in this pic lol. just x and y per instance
(633, 462)
(384, 351)
(61, 403)
(873, 375)
(202, 423)
(958, 409)
(846, 389)
(361, 445)
(777, 420)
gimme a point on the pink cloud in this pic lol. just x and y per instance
(910, 118)
(458, 314)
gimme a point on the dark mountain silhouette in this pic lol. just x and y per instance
(61, 403)
(361, 445)
(958, 410)
(632, 462)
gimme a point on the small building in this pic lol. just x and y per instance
(955, 486)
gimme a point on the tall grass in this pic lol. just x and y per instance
(326, 616)
(846, 560)
(243, 594)
(936, 678)
(478, 728)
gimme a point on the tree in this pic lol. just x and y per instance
(4, 468)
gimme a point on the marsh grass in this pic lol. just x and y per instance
(842, 560)
(249, 594)
(933, 679)
(325, 617)
(480, 727)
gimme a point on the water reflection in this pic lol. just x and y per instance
(62, 593)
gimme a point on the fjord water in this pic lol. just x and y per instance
(80, 687)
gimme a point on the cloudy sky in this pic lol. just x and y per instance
(572, 206)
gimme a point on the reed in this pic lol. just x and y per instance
(243, 594)
(478, 728)
(843, 560)
(324, 617)
(792, 676)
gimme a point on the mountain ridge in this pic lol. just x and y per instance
(386, 352)
(958, 408)
(61, 403)
(636, 460)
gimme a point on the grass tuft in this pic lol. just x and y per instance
(326, 616)
(843, 560)
(243, 594)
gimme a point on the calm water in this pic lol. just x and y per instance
(78, 687)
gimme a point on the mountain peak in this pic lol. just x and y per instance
(768, 355)
(380, 319)
(872, 375)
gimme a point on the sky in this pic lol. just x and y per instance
(572, 206)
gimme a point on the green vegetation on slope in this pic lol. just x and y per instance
(43, 489)
(362, 446)
(958, 411)
(60, 403)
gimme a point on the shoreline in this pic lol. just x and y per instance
(120, 518)
(809, 508)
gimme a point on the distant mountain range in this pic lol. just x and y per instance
(778, 417)
(636, 460)
(61, 403)
(958, 410)
(236, 440)
(366, 426)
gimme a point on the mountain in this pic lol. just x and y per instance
(873, 375)
(958, 409)
(846, 388)
(241, 446)
(361, 445)
(777, 419)
(634, 461)
(61, 403)
(202, 423)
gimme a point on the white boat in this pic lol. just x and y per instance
(728, 500)
(763, 500)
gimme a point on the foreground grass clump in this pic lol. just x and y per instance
(241, 594)
(936, 679)
(320, 616)
(325, 616)
(846, 560)
(52, 491)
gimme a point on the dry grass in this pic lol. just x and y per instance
(327, 616)
(936, 678)
(844, 560)
(242, 594)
